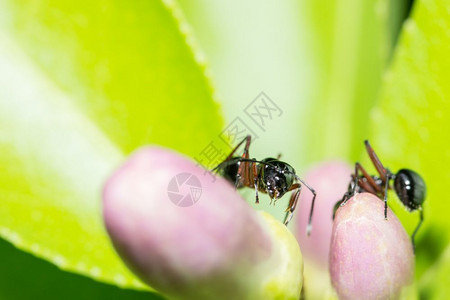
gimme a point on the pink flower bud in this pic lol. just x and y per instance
(191, 236)
(330, 180)
(370, 257)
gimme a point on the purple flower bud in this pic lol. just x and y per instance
(191, 236)
(370, 257)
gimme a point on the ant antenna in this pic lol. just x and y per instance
(309, 227)
(227, 163)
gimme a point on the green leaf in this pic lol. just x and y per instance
(435, 283)
(44, 280)
(83, 84)
(410, 126)
(352, 42)
(126, 66)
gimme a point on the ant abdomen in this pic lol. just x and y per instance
(230, 170)
(410, 188)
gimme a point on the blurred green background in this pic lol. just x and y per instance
(83, 84)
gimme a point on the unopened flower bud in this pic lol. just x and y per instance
(370, 257)
(191, 236)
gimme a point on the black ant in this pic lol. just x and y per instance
(408, 185)
(270, 176)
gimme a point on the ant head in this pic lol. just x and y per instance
(277, 177)
(410, 188)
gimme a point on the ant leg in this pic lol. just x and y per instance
(243, 170)
(256, 191)
(278, 156)
(417, 229)
(356, 179)
(385, 196)
(357, 183)
(309, 228)
(369, 179)
(346, 196)
(245, 165)
(344, 199)
(255, 181)
(292, 203)
(238, 181)
(372, 187)
(376, 161)
(367, 187)
(247, 139)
